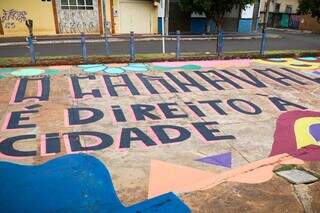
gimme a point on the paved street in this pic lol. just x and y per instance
(289, 41)
(212, 132)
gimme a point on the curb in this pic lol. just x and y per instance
(141, 59)
(291, 30)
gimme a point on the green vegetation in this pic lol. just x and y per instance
(311, 7)
(214, 10)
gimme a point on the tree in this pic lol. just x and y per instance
(311, 7)
(214, 10)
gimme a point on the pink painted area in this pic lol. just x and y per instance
(14, 92)
(105, 87)
(117, 141)
(67, 144)
(186, 179)
(43, 149)
(11, 158)
(66, 118)
(208, 64)
(132, 115)
(71, 89)
(6, 122)
(62, 67)
(113, 118)
(39, 91)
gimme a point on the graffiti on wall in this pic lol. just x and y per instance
(11, 17)
(78, 21)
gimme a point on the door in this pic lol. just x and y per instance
(135, 16)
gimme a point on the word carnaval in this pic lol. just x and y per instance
(166, 83)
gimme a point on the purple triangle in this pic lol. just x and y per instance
(220, 160)
(315, 131)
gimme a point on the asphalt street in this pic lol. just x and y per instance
(289, 41)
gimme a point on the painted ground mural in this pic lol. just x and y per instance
(164, 127)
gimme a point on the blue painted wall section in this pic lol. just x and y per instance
(159, 25)
(72, 183)
(198, 25)
(245, 25)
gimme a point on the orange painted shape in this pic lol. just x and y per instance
(166, 177)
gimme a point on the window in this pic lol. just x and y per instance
(289, 9)
(77, 4)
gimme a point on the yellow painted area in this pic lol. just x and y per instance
(41, 12)
(292, 63)
(301, 129)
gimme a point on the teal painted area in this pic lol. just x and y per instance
(284, 21)
(27, 72)
(2, 70)
(136, 68)
(93, 68)
(309, 58)
(189, 67)
(1, 76)
(52, 72)
(276, 59)
(245, 25)
(114, 70)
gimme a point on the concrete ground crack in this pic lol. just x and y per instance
(302, 193)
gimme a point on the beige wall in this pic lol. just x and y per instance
(117, 14)
(17, 11)
(283, 5)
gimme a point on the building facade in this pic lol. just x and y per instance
(235, 21)
(64, 17)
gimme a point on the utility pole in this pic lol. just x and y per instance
(167, 12)
(105, 24)
(163, 6)
(265, 18)
(264, 26)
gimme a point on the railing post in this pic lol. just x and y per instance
(31, 49)
(83, 48)
(263, 43)
(220, 43)
(178, 49)
(106, 42)
(132, 47)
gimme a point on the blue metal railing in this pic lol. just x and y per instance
(132, 39)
